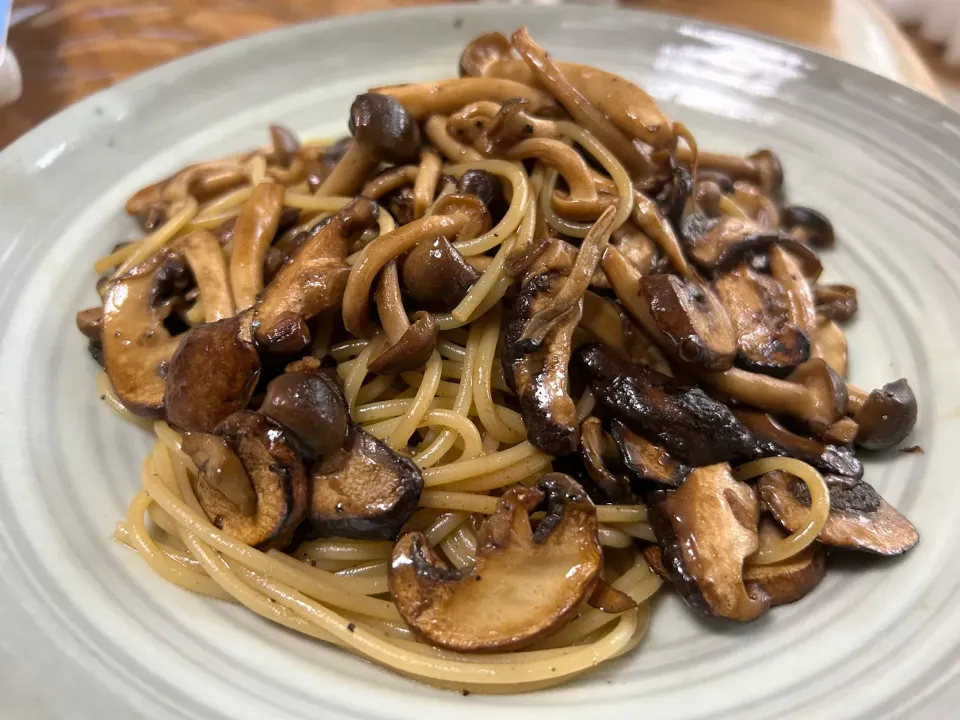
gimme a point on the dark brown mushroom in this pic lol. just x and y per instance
(836, 302)
(601, 464)
(808, 226)
(706, 529)
(90, 322)
(484, 185)
(382, 130)
(311, 406)
(285, 145)
(885, 416)
(540, 378)
(646, 460)
(525, 584)
(689, 425)
(274, 470)
(859, 518)
(435, 274)
(482, 51)
(412, 350)
(762, 168)
(766, 342)
(212, 374)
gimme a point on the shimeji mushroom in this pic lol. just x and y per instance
(885, 416)
(808, 226)
(602, 464)
(762, 168)
(410, 345)
(253, 233)
(436, 276)
(836, 302)
(526, 583)
(647, 460)
(311, 406)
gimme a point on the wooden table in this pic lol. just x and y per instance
(70, 48)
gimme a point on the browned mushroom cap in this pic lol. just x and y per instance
(859, 518)
(137, 347)
(364, 490)
(692, 427)
(482, 51)
(722, 242)
(543, 573)
(647, 461)
(808, 226)
(598, 458)
(316, 277)
(484, 185)
(90, 322)
(285, 145)
(221, 471)
(777, 440)
(412, 350)
(311, 406)
(540, 378)
(885, 416)
(435, 274)
(706, 528)
(277, 476)
(836, 302)
(766, 342)
(212, 374)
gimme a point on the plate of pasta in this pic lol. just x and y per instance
(532, 361)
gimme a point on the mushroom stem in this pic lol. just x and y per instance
(209, 266)
(647, 216)
(348, 175)
(787, 271)
(447, 96)
(252, 234)
(563, 158)
(762, 391)
(393, 317)
(428, 177)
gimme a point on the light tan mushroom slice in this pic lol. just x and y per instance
(316, 278)
(649, 219)
(525, 584)
(447, 96)
(209, 266)
(137, 347)
(788, 272)
(706, 529)
(787, 581)
(221, 472)
(252, 234)
(830, 343)
(859, 518)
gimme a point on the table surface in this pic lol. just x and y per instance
(70, 48)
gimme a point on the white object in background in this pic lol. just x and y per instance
(10, 81)
(938, 20)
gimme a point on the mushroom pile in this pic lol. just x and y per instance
(485, 373)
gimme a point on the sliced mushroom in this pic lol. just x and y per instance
(221, 471)
(714, 243)
(273, 469)
(648, 461)
(212, 374)
(885, 416)
(859, 518)
(766, 343)
(364, 490)
(808, 226)
(613, 486)
(435, 274)
(316, 277)
(209, 266)
(830, 343)
(448, 96)
(137, 347)
(788, 272)
(540, 378)
(706, 529)
(525, 584)
(311, 406)
(836, 302)
(382, 129)
(689, 425)
(253, 232)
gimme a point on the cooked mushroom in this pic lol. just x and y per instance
(382, 130)
(647, 461)
(273, 469)
(481, 52)
(316, 277)
(484, 185)
(447, 96)
(607, 598)
(673, 196)
(410, 346)
(212, 374)
(209, 267)
(830, 343)
(90, 322)
(762, 168)
(706, 529)
(714, 243)
(311, 406)
(689, 425)
(788, 272)
(598, 458)
(766, 342)
(808, 226)
(525, 584)
(253, 232)
(540, 378)
(836, 302)
(137, 347)
(885, 416)
(285, 145)
(777, 440)
(435, 274)
(363, 490)
(859, 518)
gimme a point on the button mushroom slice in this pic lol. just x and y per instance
(209, 266)
(859, 518)
(448, 96)
(221, 472)
(526, 582)
(137, 347)
(253, 232)
(435, 274)
(212, 374)
(364, 490)
(315, 280)
(787, 271)
(646, 460)
(775, 439)
(756, 204)
(382, 130)
(808, 226)
(706, 529)
(885, 416)
(540, 378)
(765, 343)
(836, 302)
(692, 427)
(830, 343)
(600, 461)
(410, 346)
(311, 406)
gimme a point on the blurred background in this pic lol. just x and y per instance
(67, 49)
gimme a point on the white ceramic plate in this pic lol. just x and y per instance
(88, 631)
